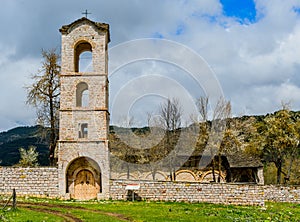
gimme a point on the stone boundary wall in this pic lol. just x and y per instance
(238, 194)
(280, 193)
(39, 181)
(43, 182)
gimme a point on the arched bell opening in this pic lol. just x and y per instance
(83, 61)
(83, 179)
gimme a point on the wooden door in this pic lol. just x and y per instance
(85, 186)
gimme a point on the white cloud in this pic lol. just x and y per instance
(257, 64)
(14, 77)
(251, 58)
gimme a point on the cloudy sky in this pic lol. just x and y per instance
(252, 47)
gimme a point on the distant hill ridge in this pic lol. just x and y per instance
(25, 136)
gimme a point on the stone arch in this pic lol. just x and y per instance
(207, 176)
(132, 176)
(186, 175)
(82, 94)
(83, 179)
(80, 47)
(159, 175)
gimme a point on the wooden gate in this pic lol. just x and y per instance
(85, 186)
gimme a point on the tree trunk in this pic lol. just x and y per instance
(219, 167)
(128, 171)
(287, 177)
(170, 169)
(279, 169)
(213, 170)
(52, 134)
(153, 170)
(174, 174)
(153, 175)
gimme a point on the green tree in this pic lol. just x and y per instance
(28, 158)
(280, 139)
(44, 93)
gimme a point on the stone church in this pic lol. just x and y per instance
(83, 155)
(84, 171)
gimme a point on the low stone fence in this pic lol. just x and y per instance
(238, 194)
(43, 182)
(40, 181)
(282, 193)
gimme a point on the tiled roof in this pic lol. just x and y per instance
(240, 160)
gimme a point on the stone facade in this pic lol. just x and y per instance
(41, 181)
(238, 194)
(83, 155)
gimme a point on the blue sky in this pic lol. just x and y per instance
(253, 47)
(243, 10)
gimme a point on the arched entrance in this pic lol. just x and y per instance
(83, 179)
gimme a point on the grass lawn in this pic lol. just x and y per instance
(22, 215)
(54, 210)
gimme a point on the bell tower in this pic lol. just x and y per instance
(83, 155)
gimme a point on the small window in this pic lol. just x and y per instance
(83, 130)
(82, 95)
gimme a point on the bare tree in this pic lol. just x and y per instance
(202, 104)
(153, 154)
(44, 93)
(171, 114)
(221, 112)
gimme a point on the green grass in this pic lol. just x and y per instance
(164, 211)
(155, 211)
(24, 215)
(86, 215)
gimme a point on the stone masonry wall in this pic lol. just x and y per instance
(282, 193)
(41, 181)
(238, 194)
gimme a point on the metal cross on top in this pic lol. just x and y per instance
(86, 13)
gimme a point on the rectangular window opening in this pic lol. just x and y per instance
(83, 130)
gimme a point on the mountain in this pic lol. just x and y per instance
(12, 140)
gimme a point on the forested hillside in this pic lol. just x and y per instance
(12, 140)
(274, 138)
